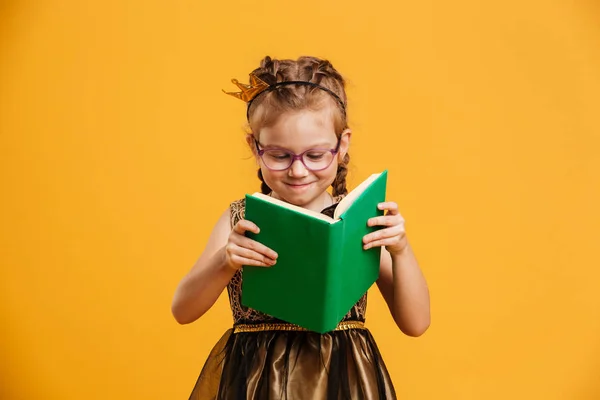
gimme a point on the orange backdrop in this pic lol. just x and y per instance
(119, 152)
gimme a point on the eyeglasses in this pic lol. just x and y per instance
(277, 159)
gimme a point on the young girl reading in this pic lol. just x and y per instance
(296, 110)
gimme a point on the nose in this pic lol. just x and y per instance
(297, 169)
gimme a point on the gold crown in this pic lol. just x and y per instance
(248, 91)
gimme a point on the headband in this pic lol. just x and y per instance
(249, 92)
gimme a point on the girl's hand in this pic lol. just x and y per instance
(393, 237)
(241, 250)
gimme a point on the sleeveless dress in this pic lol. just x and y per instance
(262, 357)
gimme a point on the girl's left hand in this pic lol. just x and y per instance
(393, 237)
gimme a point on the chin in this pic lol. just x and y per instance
(295, 198)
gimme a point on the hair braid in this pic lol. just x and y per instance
(264, 188)
(339, 183)
(269, 70)
(323, 69)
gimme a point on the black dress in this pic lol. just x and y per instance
(262, 357)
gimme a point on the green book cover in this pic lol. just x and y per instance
(322, 269)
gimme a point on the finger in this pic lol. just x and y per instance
(385, 220)
(248, 261)
(390, 206)
(247, 252)
(233, 250)
(392, 241)
(259, 248)
(247, 243)
(244, 225)
(384, 233)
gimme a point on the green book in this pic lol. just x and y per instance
(322, 269)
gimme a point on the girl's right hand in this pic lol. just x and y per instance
(241, 250)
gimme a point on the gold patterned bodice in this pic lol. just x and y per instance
(246, 315)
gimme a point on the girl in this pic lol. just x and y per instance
(296, 112)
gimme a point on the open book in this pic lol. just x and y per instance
(322, 269)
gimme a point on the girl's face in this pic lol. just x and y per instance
(297, 132)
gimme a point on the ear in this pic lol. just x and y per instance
(344, 144)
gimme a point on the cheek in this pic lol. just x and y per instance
(271, 176)
(329, 174)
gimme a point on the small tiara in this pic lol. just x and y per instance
(249, 92)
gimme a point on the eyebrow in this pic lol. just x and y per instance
(319, 145)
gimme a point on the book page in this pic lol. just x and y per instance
(298, 209)
(347, 201)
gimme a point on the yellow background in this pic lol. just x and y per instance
(119, 152)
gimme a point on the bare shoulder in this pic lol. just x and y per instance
(222, 229)
(223, 224)
(220, 234)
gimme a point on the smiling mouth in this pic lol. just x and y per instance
(298, 184)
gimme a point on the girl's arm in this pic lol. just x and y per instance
(405, 291)
(401, 281)
(203, 284)
(227, 250)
